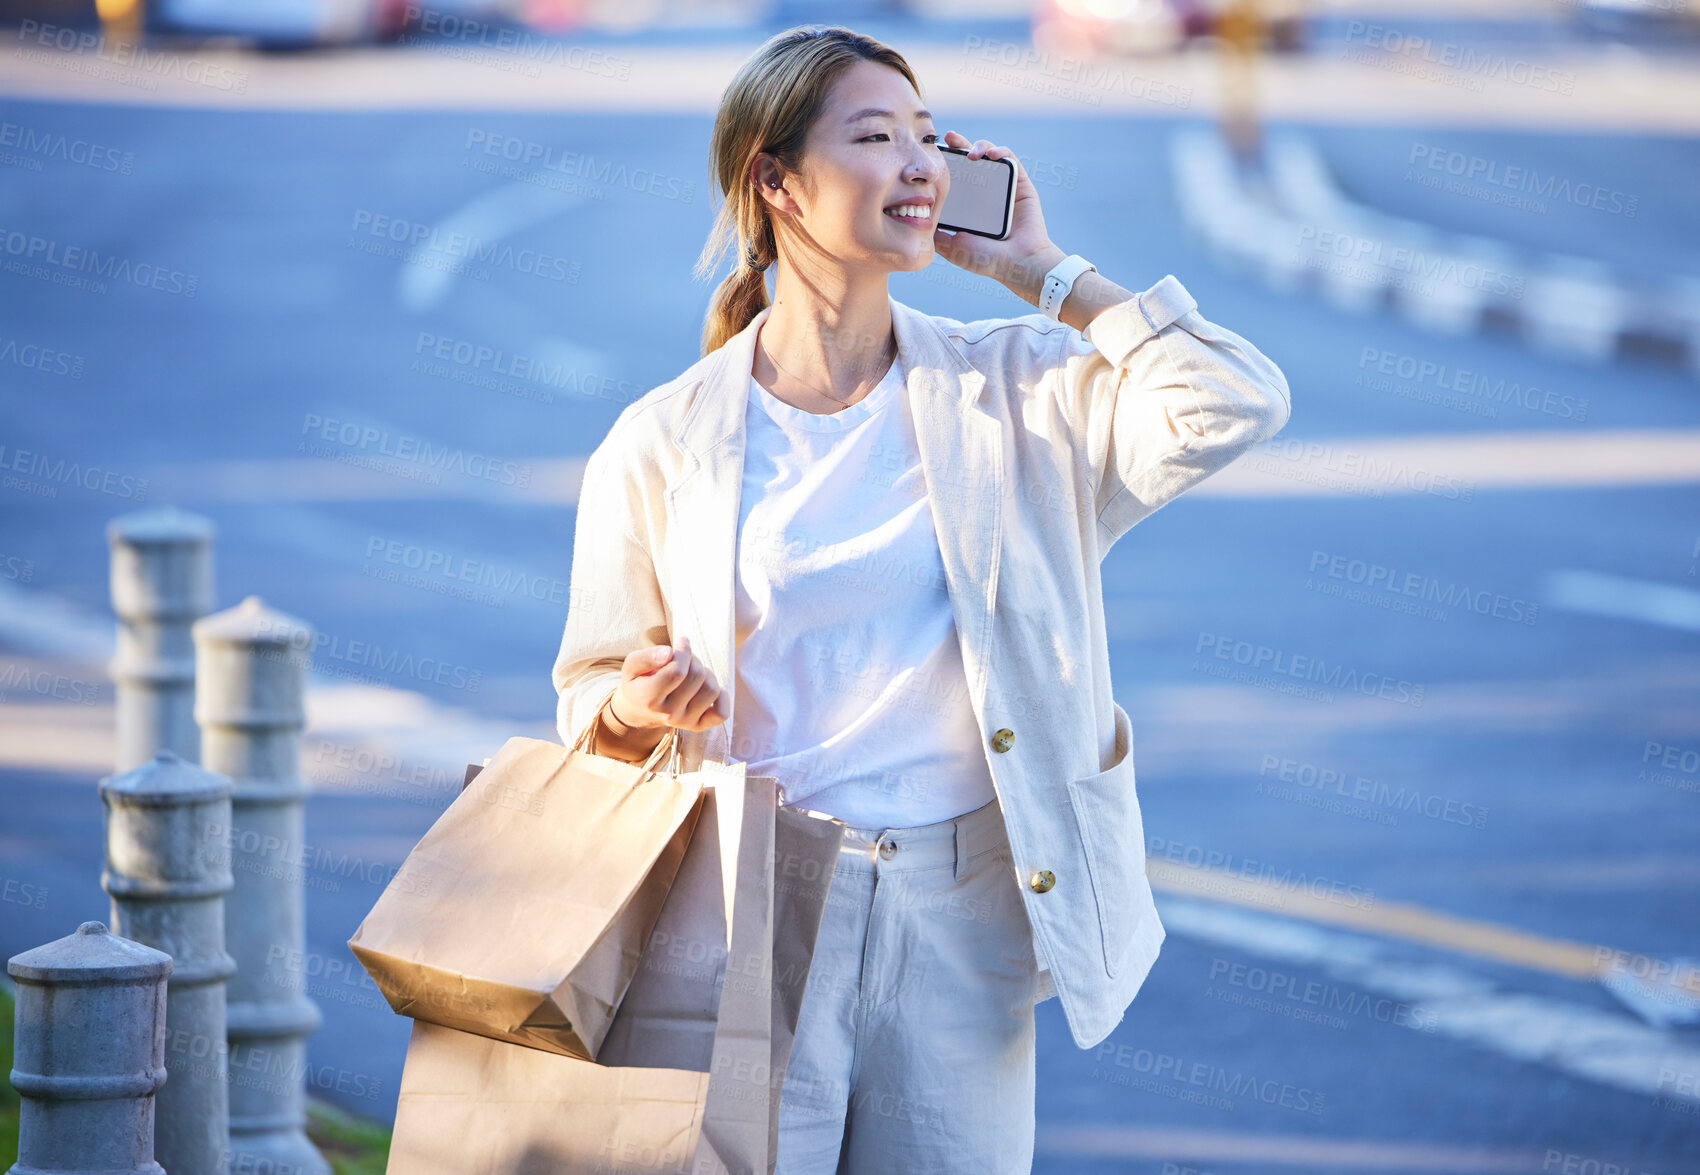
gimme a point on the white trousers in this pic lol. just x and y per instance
(915, 1040)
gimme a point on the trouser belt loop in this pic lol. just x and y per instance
(962, 847)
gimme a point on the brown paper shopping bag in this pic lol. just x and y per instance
(668, 1016)
(689, 1076)
(522, 913)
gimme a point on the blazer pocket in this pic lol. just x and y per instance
(1112, 832)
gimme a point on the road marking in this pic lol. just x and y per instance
(1379, 464)
(40, 622)
(482, 221)
(1623, 598)
(1203, 1146)
(1487, 940)
(346, 722)
(1600, 1046)
(1444, 465)
(553, 480)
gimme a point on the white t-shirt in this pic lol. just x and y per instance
(850, 685)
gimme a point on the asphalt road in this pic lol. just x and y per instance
(1537, 725)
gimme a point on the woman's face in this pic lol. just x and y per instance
(857, 165)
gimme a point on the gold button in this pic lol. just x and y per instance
(1042, 880)
(888, 848)
(1003, 740)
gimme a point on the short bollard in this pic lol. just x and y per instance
(168, 879)
(251, 664)
(161, 582)
(89, 1053)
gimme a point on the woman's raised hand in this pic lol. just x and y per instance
(663, 686)
(1021, 260)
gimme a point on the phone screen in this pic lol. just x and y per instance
(982, 195)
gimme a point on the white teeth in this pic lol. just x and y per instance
(912, 212)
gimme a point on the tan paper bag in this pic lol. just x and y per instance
(668, 1016)
(522, 913)
(689, 1076)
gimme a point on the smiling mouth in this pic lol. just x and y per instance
(926, 218)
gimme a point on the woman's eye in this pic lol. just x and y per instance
(883, 135)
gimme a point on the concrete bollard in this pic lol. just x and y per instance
(168, 883)
(161, 582)
(89, 1053)
(252, 667)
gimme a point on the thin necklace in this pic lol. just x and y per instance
(821, 394)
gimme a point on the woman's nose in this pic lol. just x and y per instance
(925, 163)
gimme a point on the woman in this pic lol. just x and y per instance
(882, 528)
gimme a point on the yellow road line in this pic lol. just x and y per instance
(1486, 940)
(1304, 1151)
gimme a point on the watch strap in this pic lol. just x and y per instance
(1059, 282)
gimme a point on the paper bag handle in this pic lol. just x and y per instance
(669, 741)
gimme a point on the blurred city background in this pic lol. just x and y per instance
(1434, 911)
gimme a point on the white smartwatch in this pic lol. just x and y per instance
(1059, 282)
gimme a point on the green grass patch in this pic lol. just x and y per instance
(8, 1095)
(352, 1145)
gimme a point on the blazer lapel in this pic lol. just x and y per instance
(962, 461)
(962, 456)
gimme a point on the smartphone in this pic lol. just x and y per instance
(982, 195)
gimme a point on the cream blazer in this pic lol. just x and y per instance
(1041, 446)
